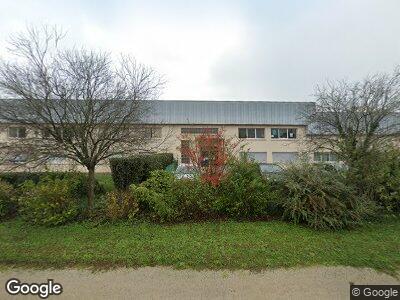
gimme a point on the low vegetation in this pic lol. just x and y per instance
(211, 245)
(136, 169)
(195, 223)
(51, 202)
(316, 195)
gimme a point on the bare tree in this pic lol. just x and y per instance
(353, 119)
(77, 104)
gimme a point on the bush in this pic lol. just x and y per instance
(136, 169)
(18, 178)
(320, 197)
(8, 204)
(244, 193)
(194, 199)
(388, 190)
(154, 205)
(164, 198)
(160, 181)
(154, 197)
(79, 181)
(121, 205)
(48, 203)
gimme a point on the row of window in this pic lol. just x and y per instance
(199, 130)
(155, 132)
(247, 133)
(259, 133)
(20, 132)
(261, 157)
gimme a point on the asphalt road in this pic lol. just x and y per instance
(166, 283)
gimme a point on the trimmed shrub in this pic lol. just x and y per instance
(121, 205)
(244, 193)
(18, 178)
(8, 203)
(48, 203)
(320, 198)
(136, 169)
(78, 180)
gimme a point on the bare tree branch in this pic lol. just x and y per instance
(88, 107)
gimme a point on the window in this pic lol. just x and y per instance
(325, 157)
(292, 133)
(283, 133)
(284, 157)
(56, 160)
(184, 147)
(19, 158)
(156, 132)
(258, 157)
(251, 133)
(199, 130)
(17, 132)
(153, 132)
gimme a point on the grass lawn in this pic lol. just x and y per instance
(217, 245)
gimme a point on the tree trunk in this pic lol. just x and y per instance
(91, 182)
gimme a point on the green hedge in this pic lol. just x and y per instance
(136, 169)
(16, 179)
(51, 202)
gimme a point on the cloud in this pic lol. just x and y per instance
(230, 49)
(328, 39)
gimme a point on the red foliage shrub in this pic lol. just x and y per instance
(209, 154)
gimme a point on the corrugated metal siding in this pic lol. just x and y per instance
(228, 112)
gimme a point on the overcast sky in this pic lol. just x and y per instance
(239, 50)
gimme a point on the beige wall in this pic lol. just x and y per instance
(170, 142)
(266, 144)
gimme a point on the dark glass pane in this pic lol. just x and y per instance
(292, 133)
(317, 156)
(260, 133)
(282, 133)
(242, 133)
(333, 157)
(184, 148)
(251, 133)
(22, 132)
(13, 132)
(274, 133)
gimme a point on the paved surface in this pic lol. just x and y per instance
(166, 283)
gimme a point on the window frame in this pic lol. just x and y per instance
(259, 133)
(153, 130)
(322, 155)
(285, 131)
(199, 130)
(184, 158)
(18, 131)
(19, 158)
(251, 155)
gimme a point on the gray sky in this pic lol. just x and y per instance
(239, 50)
